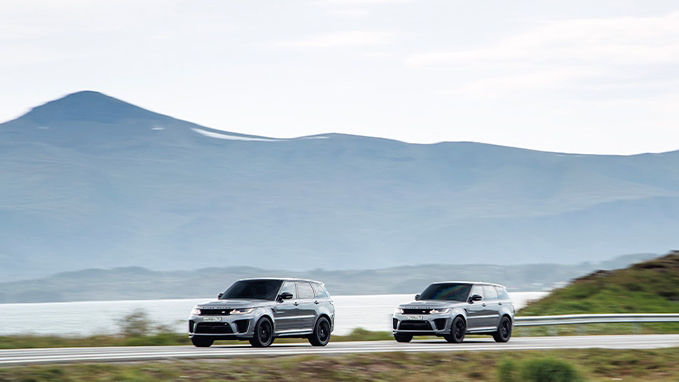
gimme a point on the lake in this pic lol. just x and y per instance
(372, 312)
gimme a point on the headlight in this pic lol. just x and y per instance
(398, 311)
(242, 310)
(195, 312)
(440, 310)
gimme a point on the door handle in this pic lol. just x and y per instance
(316, 302)
(296, 303)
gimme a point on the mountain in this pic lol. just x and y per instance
(136, 283)
(92, 181)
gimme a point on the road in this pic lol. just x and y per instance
(141, 353)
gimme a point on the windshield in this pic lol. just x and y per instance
(253, 289)
(446, 291)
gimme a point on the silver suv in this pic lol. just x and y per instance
(452, 309)
(261, 309)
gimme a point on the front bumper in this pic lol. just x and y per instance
(422, 324)
(226, 327)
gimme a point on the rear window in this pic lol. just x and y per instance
(320, 291)
(304, 290)
(490, 293)
(502, 293)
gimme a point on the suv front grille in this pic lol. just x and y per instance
(215, 312)
(416, 311)
(414, 325)
(213, 328)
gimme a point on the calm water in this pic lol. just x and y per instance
(372, 312)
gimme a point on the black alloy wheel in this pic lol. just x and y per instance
(402, 337)
(202, 342)
(504, 330)
(321, 334)
(457, 331)
(263, 335)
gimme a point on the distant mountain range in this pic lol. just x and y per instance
(91, 181)
(135, 283)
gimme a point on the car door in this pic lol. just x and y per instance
(307, 305)
(475, 309)
(286, 312)
(492, 307)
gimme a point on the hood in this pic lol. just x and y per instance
(236, 303)
(430, 304)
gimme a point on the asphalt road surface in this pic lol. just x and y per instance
(141, 353)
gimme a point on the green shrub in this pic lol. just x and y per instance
(507, 371)
(135, 324)
(548, 370)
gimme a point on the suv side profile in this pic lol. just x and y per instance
(259, 310)
(451, 309)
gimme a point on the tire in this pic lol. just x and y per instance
(504, 330)
(401, 337)
(202, 342)
(321, 334)
(457, 330)
(263, 335)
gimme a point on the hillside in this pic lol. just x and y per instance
(90, 181)
(647, 287)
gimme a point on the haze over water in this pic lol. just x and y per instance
(372, 312)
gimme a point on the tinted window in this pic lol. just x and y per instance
(256, 289)
(320, 291)
(304, 290)
(477, 290)
(289, 287)
(502, 293)
(446, 291)
(489, 293)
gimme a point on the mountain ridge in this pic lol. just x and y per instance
(87, 98)
(89, 191)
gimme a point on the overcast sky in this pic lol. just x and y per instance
(570, 76)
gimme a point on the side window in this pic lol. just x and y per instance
(289, 287)
(502, 293)
(319, 291)
(490, 294)
(304, 290)
(477, 289)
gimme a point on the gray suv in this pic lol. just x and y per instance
(261, 309)
(452, 309)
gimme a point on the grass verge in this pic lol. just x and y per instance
(158, 339)
(590, 364)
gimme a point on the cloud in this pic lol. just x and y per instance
(358, 2)
(597, 55)
(341, 38)
(625, 40)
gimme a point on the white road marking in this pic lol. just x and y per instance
(130, 353)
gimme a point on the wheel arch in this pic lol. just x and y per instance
(323, 315)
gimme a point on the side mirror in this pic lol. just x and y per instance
(475, 297)
(284, 296)
(417, 297)
(219, 296)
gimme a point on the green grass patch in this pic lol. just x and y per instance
(157, 339)
(647, 287)
(557, 365)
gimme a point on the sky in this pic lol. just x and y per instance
(577, 76)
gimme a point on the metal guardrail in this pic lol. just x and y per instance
(570, 319)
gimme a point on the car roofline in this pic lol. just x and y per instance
(468, 282)
(282, 279)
